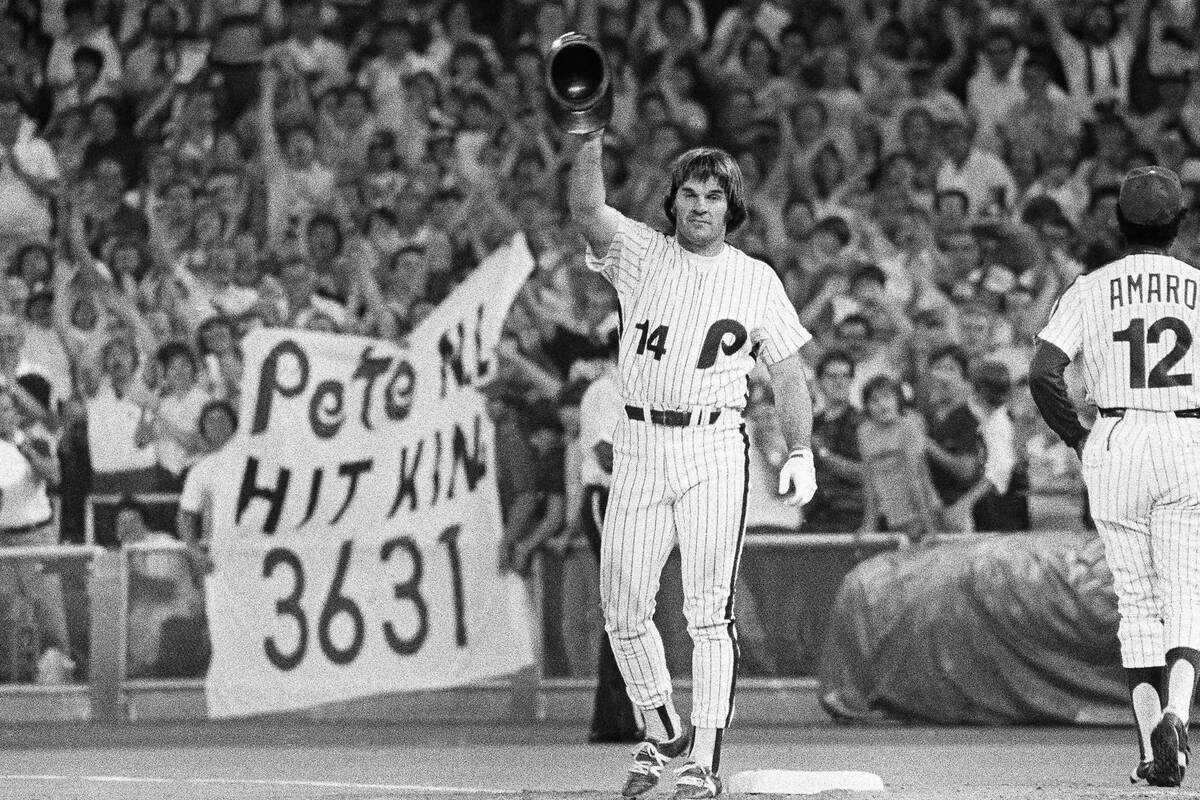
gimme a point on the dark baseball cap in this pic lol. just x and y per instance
(1150, 196)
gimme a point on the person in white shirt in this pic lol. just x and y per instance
(980, 175)
(197, 503)
(995, 87)
(28, 466)
(119, 464)
(298, 184)
(989, 504)
(172, 420)
(28, 174)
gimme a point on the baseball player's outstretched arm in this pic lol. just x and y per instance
(589, 209)
(1049, 392)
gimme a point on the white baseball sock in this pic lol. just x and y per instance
(1146, 710)
(662, 723)
(706, 748)
(1180, 682)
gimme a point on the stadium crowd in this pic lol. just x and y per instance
(925, 176)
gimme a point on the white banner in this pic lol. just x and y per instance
(358, 549)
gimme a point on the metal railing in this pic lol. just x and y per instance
(108, 587)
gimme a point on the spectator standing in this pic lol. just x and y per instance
(981, 175)
(999, 501)
(898, 493)
(953, 444)
(197, 503)
(298, 185)
(838, 503)
(172, 420)
(119, 464)
(1097, 61)
(28, 178)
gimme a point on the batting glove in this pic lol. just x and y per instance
(798, 473)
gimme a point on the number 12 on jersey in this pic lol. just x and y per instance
(1138, 336)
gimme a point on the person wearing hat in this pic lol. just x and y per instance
(1131, 324)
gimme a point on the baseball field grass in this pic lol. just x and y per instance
(306, 760)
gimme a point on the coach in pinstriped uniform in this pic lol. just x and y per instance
(1133, 323)
(696, 315)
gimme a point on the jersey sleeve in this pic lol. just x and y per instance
(623, 263)
(779, 332)
(1065, 328)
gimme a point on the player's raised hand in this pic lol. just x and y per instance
(798, 477)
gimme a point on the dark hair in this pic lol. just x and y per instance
(78, 7)
(946, 194)
(328, 220)
(469, 48)
(299, 127)
(836, 225)
(217, 405)
(1156, 236)
(835, 357)
(772, 53)
(792, 29)
(866, 271)
(207, 326)
(172, 350)
(1100, 193)
(14, 263)
(128, 502)
(954, 352)
(669, 4)
(884, 383)
(701, 163)
(119, 341)
(857, 319)
(37, 387)
(106, 102)
(88, 55)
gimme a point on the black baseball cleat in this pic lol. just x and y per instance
(696, 782)
(649, 759)
(1169, 744)
(1141, 773)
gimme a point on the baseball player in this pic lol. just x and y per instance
(696, 315)
(1133, 324)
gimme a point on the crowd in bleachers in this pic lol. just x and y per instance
(926, 176)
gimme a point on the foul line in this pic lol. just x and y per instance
(388, 787)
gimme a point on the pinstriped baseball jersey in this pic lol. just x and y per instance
(692, 326)
(1134, 321)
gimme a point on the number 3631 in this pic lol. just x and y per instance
(337, 604)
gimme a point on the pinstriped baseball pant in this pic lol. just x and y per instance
(686, 485)
(1143, 476)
